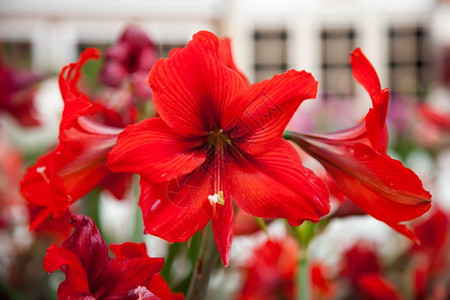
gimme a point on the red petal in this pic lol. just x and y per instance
(151, 149)
(160, 288)
(67, 291)
(258, 121)
(122, 275)
(37, 190)
(172, 222)
(76, 277)
(117, 183)
(223, 225)
(192, 87)
(381, 186)
(276, 185)
(374, 287)
(226, 57)
(82, 165)
(87, 243)
(365, 74)
(129, 250)
(376, 123)
(75, 102)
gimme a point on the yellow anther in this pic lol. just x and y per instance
(216, 198)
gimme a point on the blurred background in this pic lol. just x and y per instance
(408, 42)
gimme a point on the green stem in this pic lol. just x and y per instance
(206, 263)
(138, 229)
(303, 292)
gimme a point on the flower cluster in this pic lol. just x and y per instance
(214, 154)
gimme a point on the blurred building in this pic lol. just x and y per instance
(408, 41)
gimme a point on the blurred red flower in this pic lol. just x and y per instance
(361, 266)
(356, 160)
(431, 257)
(218, 141)
(270, 271)
(17, 91)
(92, 274)
(130, 58)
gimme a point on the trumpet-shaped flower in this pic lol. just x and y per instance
(78, 164)
(218, 142)
(356, 160)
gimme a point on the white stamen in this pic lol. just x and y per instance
(41, 169)
(163, 175)
(213, 198)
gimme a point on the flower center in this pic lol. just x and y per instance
(217, 139)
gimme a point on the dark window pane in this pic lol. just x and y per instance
(407, 60)
(336, 72)
(270, 55)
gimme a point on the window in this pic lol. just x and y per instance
(270, 53)
(407, 61)
(336, 71)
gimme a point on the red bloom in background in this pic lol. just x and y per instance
(270, 271)
(358, 260)
(130, 58)
(431, 257)
(92, 274)
(11, 168)
(17, 90)
(218, 142)
(356, 160)
(360, 265)
(77, 165)
(375, 287)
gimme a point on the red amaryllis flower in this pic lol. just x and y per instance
(356, 160)
(92, 274)
(218, 142)
(130, 58)
(17, 90)
(77, 165)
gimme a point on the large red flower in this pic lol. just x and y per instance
(92, 274)
(356, 160)
(218, 141)
(78, 164)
